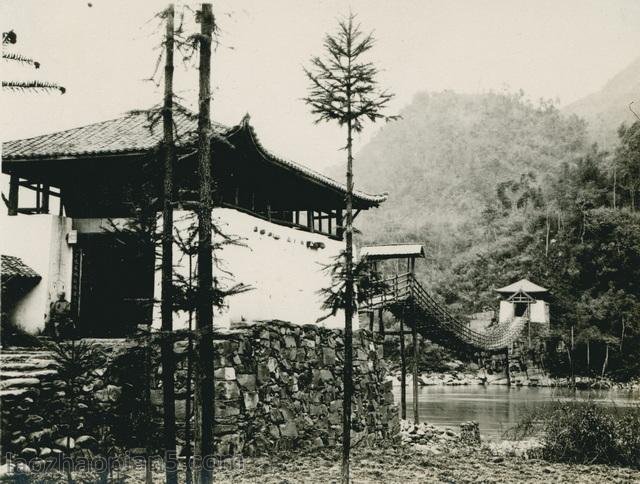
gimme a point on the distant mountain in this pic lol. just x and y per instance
(442, 161)
(608, 108)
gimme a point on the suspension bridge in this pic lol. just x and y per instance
(411, 304)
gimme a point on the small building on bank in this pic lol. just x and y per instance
(73, 194)
(528, 301)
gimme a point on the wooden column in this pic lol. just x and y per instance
(380, 322)
(414, 334)
(403, 374)
(45, 198)
(310, 220)
(339, 227)
(13, 194)
(371, 317)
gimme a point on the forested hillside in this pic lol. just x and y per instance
(499, 189)
(605, 110)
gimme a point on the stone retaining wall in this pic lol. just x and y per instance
(277, 385)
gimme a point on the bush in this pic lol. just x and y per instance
(586, 433)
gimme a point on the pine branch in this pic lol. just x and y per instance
(13, 56)
(34, 86)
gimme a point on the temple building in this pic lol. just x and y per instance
(73, 195)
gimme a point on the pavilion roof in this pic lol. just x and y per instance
(392, 251)
(523, 285)
(139, 132)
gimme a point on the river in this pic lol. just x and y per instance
(496, 407)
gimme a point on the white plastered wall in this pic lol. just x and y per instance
(280, 264)
(284, 267)
(41, 242)
(540, 312)
(507, 311)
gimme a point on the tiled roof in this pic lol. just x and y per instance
(522, 285)
(392, 251)
(14, 267)
(306, 170)
(137, 131)
(134, 133)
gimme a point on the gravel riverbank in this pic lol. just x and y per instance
(424, 454)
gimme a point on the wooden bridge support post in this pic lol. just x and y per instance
(414, 334)
(403, 374)
(506, 353)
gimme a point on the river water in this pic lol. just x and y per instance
(496, 407)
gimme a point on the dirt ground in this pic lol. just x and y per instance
(397, 464)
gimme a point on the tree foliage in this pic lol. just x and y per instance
(9, 38)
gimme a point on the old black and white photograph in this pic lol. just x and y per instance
(330, 241)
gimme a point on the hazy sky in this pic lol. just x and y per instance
(101, 53)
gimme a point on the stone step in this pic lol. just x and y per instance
(6, 394)
(6, 373)
(19, 383)
(9, 360)
(27, 365)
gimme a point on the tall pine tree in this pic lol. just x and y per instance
(344, 90)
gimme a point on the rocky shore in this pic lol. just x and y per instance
(461, 374)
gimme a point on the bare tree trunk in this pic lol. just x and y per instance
(168, 370)
(204, 313)
(615, 180)
(606, 360)
(546, 245)
(148, 472)
(622, 333)
(588, 357)
(187, 412)
(403, 373)
(348, 315)
(573, 376)
(414, 334)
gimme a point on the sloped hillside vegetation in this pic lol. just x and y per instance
(497, 189)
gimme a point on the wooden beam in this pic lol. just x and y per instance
(13, 194)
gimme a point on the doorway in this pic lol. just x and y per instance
(116, 286)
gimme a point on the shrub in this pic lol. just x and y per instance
(586, 433)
